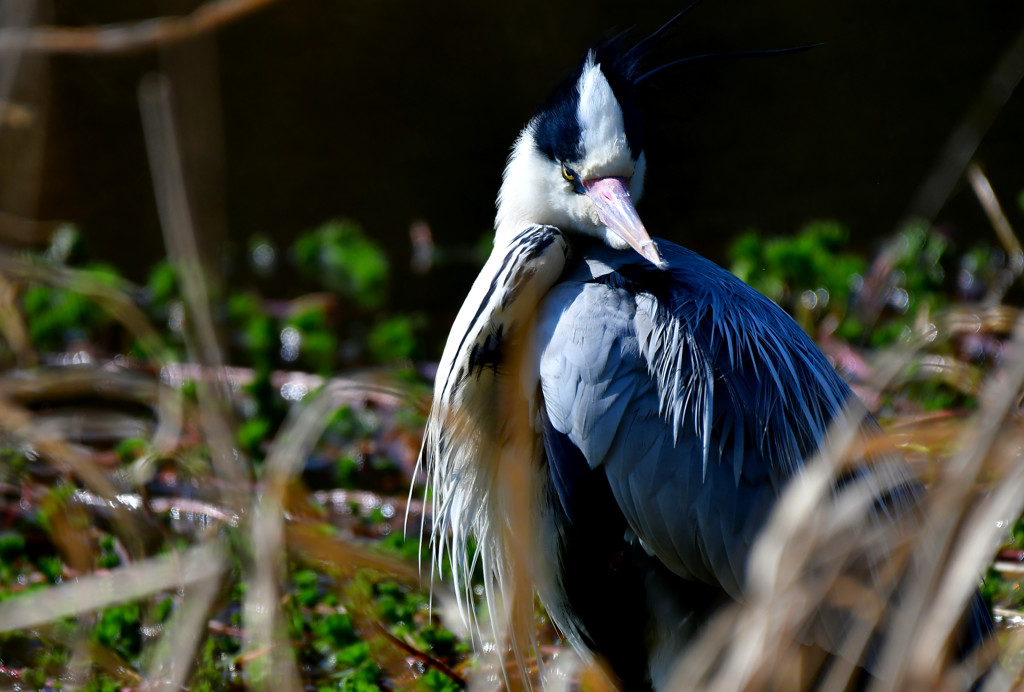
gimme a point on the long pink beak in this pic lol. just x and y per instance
(616, 211)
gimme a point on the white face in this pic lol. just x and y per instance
(535, 189)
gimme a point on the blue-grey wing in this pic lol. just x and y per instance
(698, 398)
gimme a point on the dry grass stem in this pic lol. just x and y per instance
(180, 237)
(141, 579)
(183, 633)
(14, 17)
(127, 37)
(269, 536)
(20, 423)
(116, 301)
(12, 324)
(272, 660)
(990, 203)
(309, 543)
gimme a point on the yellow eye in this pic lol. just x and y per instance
(573, 178)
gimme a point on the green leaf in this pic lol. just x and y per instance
(395, 338)
(340, 257)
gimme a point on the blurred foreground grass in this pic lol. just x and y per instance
(171, 518)
(122, 455)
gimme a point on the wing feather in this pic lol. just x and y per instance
(697, 396)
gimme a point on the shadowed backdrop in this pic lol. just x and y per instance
(392, 113)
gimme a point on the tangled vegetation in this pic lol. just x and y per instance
(125, 447)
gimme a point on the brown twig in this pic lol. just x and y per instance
(127, 37)
(987, 198)
(422, 656)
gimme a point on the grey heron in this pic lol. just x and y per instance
(614, 416)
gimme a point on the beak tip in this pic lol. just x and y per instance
(655, 258)
(648, 250)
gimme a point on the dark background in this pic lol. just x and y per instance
(393, 112)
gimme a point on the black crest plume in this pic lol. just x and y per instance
(627, 64)
(623, 63)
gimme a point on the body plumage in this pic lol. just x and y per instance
(616, 416)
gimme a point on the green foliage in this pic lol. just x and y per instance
(255, 330)
(347, 470)
(397, 604)
(441, 642)
(312, 333)
(12, 545)
(337, 629)
(163, 609)
(406, 548)
(339, 255)
(52, 567)
(316, 344)
(1017, 535)
(308, 589)
(215, 668)
(15, 563)
(812, 278)
(935, 395)
(57, 317)
(439, 682)
(56, 501)
(162, 284)
(13, 464)
(915, 281)
(821, 286)
(395, 338)
(994, 588)
(103, 683)
(108, 557)
(346, 425)
(327, 334)
(806, 274)
(119, 628)
(781, 267)
(132, 448)
(251, 434)
(364, 677)
(331, 644)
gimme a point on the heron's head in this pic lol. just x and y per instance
(579, 164)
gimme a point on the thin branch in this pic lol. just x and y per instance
(423, 657)
(990, 203)
(127, 37)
